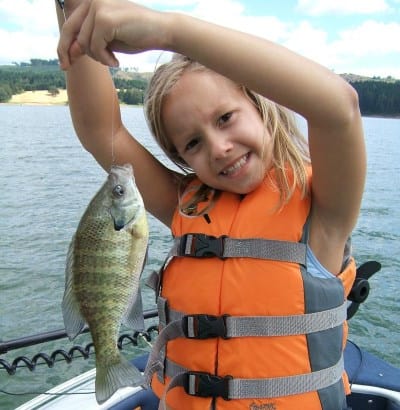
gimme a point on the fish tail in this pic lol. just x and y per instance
(111, 378)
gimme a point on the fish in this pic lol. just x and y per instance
(104, 264)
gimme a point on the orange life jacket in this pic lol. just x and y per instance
(219, 300)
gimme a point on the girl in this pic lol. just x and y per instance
(252, 301)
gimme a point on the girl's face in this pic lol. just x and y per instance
(217, 131)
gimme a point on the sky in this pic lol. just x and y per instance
(347, 36)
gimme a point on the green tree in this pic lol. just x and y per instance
(131, 96)
(5, 92)
(53, 91)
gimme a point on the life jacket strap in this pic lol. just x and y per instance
(199, 245)
(204, 326)
(203, 384)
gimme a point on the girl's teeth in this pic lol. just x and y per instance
(236, 166)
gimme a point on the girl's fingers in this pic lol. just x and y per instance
(101, 28)
(69, 32)
(101, 36)
(75, 52)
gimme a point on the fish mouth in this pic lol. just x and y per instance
(236, 166)
(118, 226)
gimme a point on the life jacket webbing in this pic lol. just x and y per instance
(253, 326)
(201, 245)
(230, 388)
(239, 326)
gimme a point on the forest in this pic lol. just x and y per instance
(377, 96)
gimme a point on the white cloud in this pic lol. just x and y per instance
(218, 9)
(28, 30)
(35, 17)
(370, 49)
(320, 7)
(311, 42)
(144, 62)
(19, 47)
(230, 13)
(370, 38)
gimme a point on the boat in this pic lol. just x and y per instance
(375, 384)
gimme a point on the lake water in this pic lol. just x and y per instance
(46, 182)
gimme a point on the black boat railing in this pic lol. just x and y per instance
(60, 354)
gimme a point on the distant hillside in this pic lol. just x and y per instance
(377, 96)
(46, 75)
(351, 78)
(37, 75)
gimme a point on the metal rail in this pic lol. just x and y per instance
(44, 337)
(60, 354)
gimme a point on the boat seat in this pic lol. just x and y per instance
(366, 369)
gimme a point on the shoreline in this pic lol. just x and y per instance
(44, 98)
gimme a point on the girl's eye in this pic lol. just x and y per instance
(224, 118)
(191, 144)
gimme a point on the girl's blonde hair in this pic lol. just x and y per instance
(290, 149)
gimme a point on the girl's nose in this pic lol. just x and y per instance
(220, 146)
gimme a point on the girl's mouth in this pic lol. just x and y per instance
(236, 167)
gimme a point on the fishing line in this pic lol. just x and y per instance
(112, 124)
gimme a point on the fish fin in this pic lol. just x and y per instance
(111, 378)
(73, 320)
(133, 317)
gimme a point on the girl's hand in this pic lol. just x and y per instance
(98, 28)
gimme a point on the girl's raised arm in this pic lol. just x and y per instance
(96, 117)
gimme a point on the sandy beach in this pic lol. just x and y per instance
(42, 97)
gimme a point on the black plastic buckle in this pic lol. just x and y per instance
(203, 246)
(204, 326)
(207, 385)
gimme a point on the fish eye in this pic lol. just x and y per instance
(118, 191)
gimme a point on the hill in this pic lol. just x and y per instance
(377, 96)
(45, 75)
